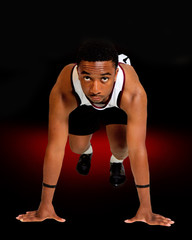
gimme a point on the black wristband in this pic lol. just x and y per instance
(142, 186)
(49, 186)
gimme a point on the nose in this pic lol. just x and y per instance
(95, 88)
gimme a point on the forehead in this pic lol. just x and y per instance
(98, 67)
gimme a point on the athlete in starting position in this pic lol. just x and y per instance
(101, 89)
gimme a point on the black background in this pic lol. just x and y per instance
(38, 41)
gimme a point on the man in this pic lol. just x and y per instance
(99, 89)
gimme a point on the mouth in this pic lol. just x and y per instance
(96, 99)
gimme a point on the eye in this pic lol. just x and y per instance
(87, 78)
(105, 79)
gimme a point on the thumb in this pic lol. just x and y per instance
(58, 219)
(132, 220)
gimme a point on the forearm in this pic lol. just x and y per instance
(52, 165)
(140, 170)
(51, 170)
(139, 166)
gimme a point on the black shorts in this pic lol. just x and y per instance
(85, 120)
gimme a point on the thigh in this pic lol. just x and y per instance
(79, 144)
(83, 121)
(117, 139)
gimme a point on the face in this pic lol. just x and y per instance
(97, 79)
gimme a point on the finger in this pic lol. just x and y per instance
(31, 212)
(19, 217)
(168, 221)
(31, 218)
(22, 217)
(165, 224)
(161, 222)
(165, 220)
(27, 213)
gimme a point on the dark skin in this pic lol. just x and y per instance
(97, 80)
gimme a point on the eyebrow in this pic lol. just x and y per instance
(102, 74)
(84, 72)
(106, 74)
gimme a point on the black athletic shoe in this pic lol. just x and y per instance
(84, 164)
(117, 174)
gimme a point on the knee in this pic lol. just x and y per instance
(78, 148)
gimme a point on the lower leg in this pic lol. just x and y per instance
(117, 138)
(82, 145)
(118, 144)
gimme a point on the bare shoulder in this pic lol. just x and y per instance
(63, 83)
(132, 82)
(133, 92)
(62, 92)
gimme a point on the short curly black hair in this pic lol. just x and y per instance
(97, 50)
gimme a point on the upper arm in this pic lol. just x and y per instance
(58, 120)
(137, 122)
(61, 104)
(134, 103)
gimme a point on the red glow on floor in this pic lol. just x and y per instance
(23, 148)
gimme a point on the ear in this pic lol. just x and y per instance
(116, 72)
(78, 70)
